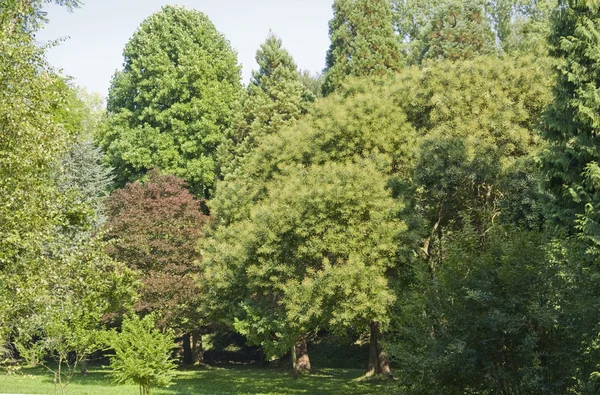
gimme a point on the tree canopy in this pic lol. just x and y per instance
(170, 105)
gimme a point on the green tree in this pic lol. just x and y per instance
(276, 97)
(458, 30)
(363, 42)
(312, 255)
(33, 137)
(359, 125)
(142, 354)
(505, 315)
(170, 105)
(518, 25)
(571, 162)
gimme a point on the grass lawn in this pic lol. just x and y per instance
(228, 380)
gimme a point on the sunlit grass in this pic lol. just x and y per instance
(228, 380)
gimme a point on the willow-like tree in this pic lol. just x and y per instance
(355, 135)
(571, 164)
(363, 42)
(170, 105)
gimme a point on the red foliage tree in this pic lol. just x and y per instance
(155, 227)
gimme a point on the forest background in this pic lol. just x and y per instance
(432, 197)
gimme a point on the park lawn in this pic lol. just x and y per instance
(228, 380)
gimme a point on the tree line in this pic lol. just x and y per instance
(433, 194)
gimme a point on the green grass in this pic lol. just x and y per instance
(229, 380)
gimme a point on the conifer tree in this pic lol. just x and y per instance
(458, 30)
(275, 98)
(571, 163)
(363, 42)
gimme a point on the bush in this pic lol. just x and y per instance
(142, 354)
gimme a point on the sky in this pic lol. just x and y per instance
(95, 34)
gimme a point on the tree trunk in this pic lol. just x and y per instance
(197, 350)
(294, 362)
(302, 359)
(188, 358)
(378, 359)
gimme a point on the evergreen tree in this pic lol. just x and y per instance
(458, 30)
(363, 42)
(170, 105)
(83, 173)
(571, 162)
(275, 98)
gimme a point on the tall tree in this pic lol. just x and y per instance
(571, 162)
(458, 30)
(170, 105)
(357, 126)
(275, 98)
(155, 227)
(363, 42)
(518, 25)
(33, 136)
(312, 255)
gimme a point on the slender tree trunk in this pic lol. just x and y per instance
(188, 358)
(294, 362)
(197, 348)
(379, 362)
(302, 359)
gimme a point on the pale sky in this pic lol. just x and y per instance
(97, 32)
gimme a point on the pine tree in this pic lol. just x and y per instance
(571, 163)
(275, 98)
(363, 42)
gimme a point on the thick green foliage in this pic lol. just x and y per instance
(312, 254)
(363, 42)
(172, 102)
(505, 315)
(571, 162)
(518, 25)
(142, 354)
(457, 30)
(276, 97)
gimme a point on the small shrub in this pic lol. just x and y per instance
(142, 354)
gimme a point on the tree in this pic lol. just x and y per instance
(154, 228)
(363, 42)
(33, 136)
(360, 125)
(170, 105)
(570, 164)
(507, 313)
(458, 30)
(83, 173)
(519, 26)
(312, 255)
(276, 97)
(142, 354)
(76, 287)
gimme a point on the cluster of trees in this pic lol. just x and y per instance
(430, 194)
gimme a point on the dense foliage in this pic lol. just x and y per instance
(428, 203)
(170, 105)
(154, 228)
(362, 42)
(142, 354)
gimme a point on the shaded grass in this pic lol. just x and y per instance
(225, 380)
